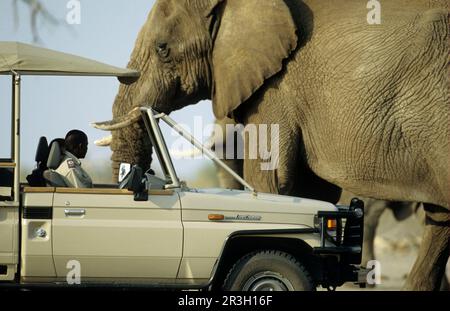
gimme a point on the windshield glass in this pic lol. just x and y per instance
(153, 124)
(190, 165)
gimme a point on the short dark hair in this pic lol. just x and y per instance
(74, 138)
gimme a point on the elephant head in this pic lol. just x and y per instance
(188, 51)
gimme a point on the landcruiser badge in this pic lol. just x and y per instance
(244, 217)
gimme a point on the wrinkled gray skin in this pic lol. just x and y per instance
(367, 106)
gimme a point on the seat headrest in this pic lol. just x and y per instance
(42, 150)
(54, 156)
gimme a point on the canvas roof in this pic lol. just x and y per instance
(32, 60)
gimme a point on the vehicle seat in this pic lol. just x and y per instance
(55, 157)
(36, 179)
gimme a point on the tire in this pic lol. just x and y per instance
(268, 270)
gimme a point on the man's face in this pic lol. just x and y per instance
(82, 150)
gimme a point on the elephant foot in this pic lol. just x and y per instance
(368, 253)
(373, 211)
(429, 268)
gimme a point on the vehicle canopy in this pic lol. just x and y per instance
(18, 59)
(32, 60)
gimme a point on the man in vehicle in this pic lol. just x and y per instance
(76, 146)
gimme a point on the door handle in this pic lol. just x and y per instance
(75, 212)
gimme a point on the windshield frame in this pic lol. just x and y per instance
(151, 118)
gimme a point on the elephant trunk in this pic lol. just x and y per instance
(130, 145)
(128, 142)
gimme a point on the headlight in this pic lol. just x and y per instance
(332, 229)
(331, 225)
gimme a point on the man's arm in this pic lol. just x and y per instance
(77, 180)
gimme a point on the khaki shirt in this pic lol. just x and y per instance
(72, 172)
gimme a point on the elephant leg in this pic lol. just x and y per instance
(429, 268)
(374, 209)
(277, 172)
(313, 187)
(221, 139)
(305, 183)
(225, 179)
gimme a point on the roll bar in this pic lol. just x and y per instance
(15, 134)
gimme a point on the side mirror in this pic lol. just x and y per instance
(124, 170)
(135, 179)
(137, 183)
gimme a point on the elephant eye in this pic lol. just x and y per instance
(162, 49)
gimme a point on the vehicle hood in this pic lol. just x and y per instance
(271, 208)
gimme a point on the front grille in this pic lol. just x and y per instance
(348, 238)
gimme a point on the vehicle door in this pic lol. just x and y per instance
(9, 222)
(112, 236)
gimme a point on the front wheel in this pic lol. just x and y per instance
(268, 270)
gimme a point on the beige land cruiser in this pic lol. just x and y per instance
(155, 232)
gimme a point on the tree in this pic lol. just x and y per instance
(37, 11)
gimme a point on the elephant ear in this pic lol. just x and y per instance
(253, 39)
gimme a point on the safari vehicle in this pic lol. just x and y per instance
(158, 232)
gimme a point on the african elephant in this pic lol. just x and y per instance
(366, 105)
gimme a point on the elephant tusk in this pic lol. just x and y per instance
(185, 154)
(104, 142)
(132, 117)
(192, 152)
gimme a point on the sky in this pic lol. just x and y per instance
(51, 106)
